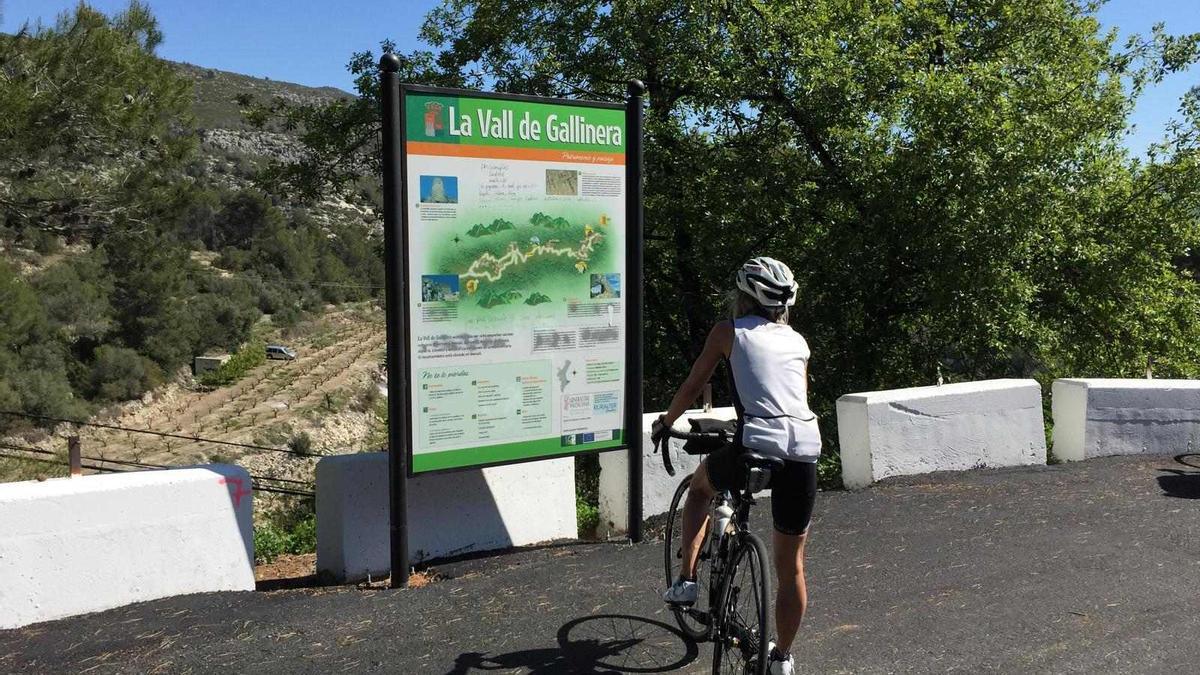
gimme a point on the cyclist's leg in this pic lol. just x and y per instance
(791, 598)
(695, 515)
(719, 471)
(793, 492)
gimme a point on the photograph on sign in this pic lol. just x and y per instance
(516, 253)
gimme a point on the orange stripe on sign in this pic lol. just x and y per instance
(503, 152)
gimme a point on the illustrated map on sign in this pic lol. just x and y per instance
(564, 375)
(505, 264)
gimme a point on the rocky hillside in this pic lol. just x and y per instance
(216, 91)
(235, 149)
(220, 120)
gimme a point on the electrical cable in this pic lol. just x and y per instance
(163, 434)
(142, 465)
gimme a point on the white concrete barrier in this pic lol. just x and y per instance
(76, 545)
(448, 513)
(1100, 417)
(951, 427)
(657, 486)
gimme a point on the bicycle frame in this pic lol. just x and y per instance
(723, 555)
(721, 558)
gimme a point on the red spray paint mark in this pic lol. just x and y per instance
(238, 491)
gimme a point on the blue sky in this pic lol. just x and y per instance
(310, 42)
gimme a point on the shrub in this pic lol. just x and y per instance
(273, 538)
(287, 316)
(247, 358)
(377, 439)
(269, 543)
(76, 296)
(303, 537)
(45, 243)
(119, 374)
(274, 435)
(587, 516)
(334, 401)
(366, 399)
(300, 442)
(587, 494)
(222, 321)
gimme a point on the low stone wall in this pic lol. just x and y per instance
(657, 486)
(76, 545)
(448, 513)
(942, 428)
(1100, 417)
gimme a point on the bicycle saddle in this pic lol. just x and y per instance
(753, 460)
(758, 470)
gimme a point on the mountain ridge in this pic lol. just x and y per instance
(215, 104)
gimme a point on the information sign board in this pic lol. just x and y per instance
(515, 262)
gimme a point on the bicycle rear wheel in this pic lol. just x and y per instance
(743, 615)
(693, 621)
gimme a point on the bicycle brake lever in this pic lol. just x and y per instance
(662, 445)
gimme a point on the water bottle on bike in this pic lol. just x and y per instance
(721, 516)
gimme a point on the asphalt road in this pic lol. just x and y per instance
(1090, 567)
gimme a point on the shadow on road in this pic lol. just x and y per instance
(1182, 483)
(603, 643)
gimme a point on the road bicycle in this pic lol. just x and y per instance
(733, 568)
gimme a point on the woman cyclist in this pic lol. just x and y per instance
(769, 364)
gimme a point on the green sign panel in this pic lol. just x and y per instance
(515, 212)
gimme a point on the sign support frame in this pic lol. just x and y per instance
(395, 217)
(395, 226)
(635, 273)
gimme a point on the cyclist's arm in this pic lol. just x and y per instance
(716, 347)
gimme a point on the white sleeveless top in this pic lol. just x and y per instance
(770, 379)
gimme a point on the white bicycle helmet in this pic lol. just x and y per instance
(768, 281)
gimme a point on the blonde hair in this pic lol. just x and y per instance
(742, 304)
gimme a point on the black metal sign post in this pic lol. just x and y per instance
(396, 295)
(633, 308)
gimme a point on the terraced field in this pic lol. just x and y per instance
(325, 393)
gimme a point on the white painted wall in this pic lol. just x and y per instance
(1100, 417)
(76, 545)
(657, 486)
(951, 427)
(448, 513)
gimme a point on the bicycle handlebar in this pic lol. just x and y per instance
(665, 433)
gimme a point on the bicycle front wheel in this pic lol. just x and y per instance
(693, 621)
(743, 625)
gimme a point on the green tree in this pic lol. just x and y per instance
(33, 371)
(119, 374)
(153, 280)
(242, 219)
(90, 120)
(225, 310)
(75, 294)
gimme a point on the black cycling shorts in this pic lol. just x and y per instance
(793, 488)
